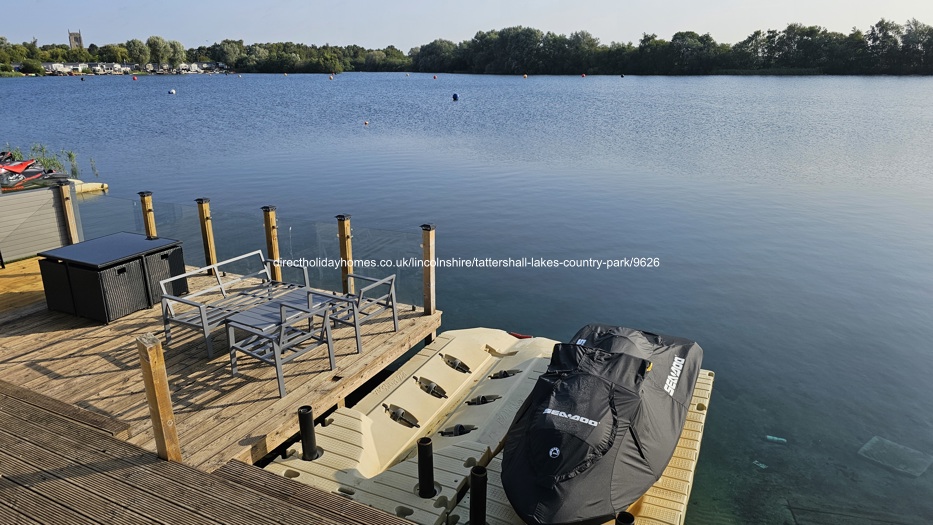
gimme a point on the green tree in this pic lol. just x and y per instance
(228, 52)
(32, 50)
(5, 48)
(177, 55)
(159, 50)
(78, 55)
(653, 56)
(113, 53)
(199, 54)
(18, 53)
(137, 52)
(555, 55)
(32, 66)
(750, 53)
(437, 56)
(917, 47)
(854, 55)
(583, 48)
(884, 46)
(521, 50)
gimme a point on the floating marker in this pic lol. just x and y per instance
(331, 77)
(435, 77)
(134, 77)
(365, 122)
(525, 76)
(171, 92)
(456, 97)
(583, 75)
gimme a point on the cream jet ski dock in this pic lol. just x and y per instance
(462, 391)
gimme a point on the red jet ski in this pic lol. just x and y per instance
(19, 175)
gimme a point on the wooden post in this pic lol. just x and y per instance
(145, 200)
(64, 193)
(345, 236)
(207, 232)
(427, 247)
(157, 393)
(272, 240)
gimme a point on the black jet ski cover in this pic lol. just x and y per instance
(600, 426)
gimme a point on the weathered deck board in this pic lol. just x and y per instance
(54, 470)
(114, 427)
(219, 416)
(21, 290)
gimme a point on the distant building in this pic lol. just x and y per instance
(74, 40)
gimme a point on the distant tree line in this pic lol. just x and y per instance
(885, 48)
(289, 57)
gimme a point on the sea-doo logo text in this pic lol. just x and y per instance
(671, 384)
(572, 417)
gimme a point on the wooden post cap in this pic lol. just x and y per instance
(427, 227)
(145, 194)
(268, 208)
(202, 200)
(343, 217)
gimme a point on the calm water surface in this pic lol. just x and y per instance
(791, 218)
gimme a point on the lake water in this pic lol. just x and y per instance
(791, 219)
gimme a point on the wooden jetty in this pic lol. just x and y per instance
(218, 416)
(78, 442)
(63, 464)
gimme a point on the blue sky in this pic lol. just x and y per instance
(409, 23)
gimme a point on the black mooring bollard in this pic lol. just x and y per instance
(425, 468)
(306, 428)
(625, 518)
(478, 495)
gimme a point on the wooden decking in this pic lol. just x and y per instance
(20, 289)
(60, 464)
(219, 417)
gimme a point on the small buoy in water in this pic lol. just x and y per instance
(239, 76)
(623, 76)
(456, 97)
(332, 77)
(82, 79)
(134, 77)
(365, 122)
(286, 74)
(407, 74)
(171, 92)
(525, 76)
(435, 77)
(583, 75)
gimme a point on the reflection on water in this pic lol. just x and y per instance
(790, 217)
